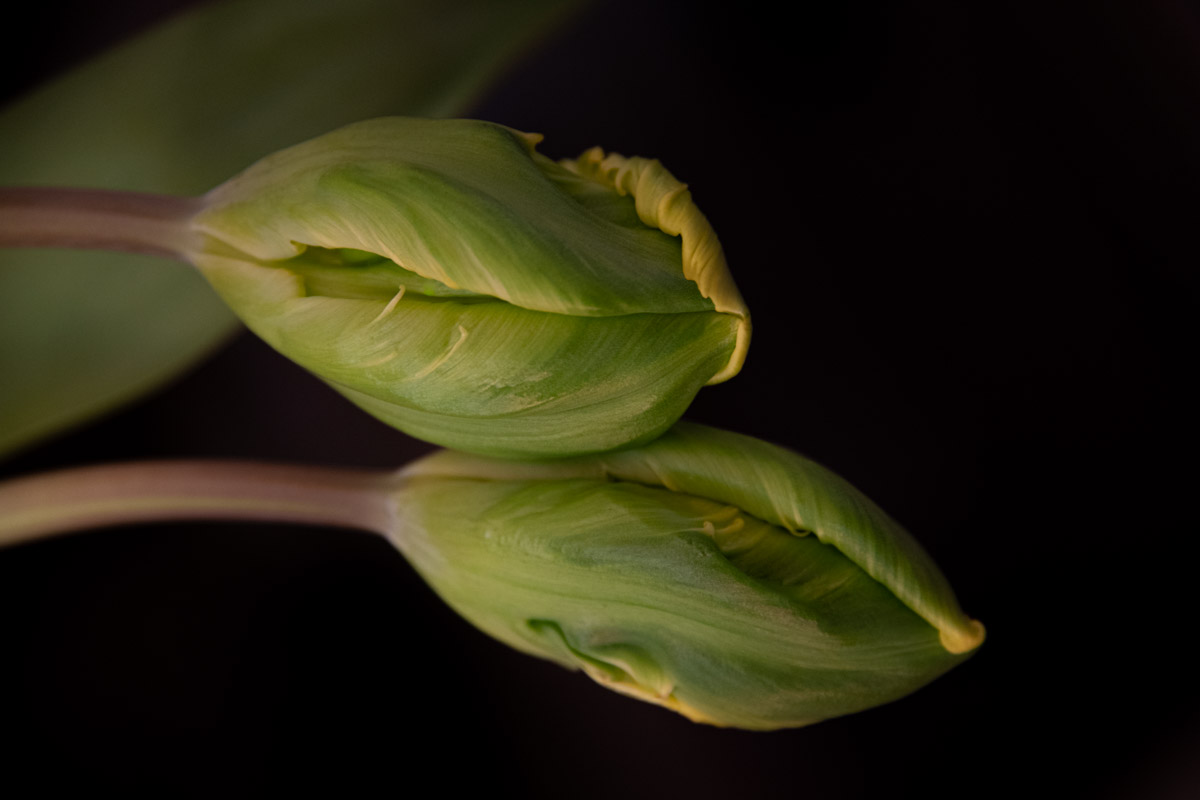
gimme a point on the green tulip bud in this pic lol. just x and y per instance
(714, 574)
(458, 285)
(717, 575)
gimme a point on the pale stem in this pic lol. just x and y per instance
(117, 494)
(98, 219)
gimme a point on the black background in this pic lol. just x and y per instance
(967, 233)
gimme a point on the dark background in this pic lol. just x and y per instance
(967, 236)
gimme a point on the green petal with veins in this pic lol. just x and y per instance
(673, 572)
(460, 286)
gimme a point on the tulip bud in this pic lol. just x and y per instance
(460, 286)
(722, 577)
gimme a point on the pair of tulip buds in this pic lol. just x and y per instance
(550, 322)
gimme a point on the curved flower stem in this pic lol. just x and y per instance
(114, 494)
(97, 219)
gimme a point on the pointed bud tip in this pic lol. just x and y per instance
(965, 640)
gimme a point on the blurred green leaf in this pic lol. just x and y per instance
(178, 111)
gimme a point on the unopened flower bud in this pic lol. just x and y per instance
(725, 578)
(460, 286)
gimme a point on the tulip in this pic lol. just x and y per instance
(459, 286)
(716, 575)
(722, 577)
(450, 280)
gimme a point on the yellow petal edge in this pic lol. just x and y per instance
(663, 202)
(965, 639)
